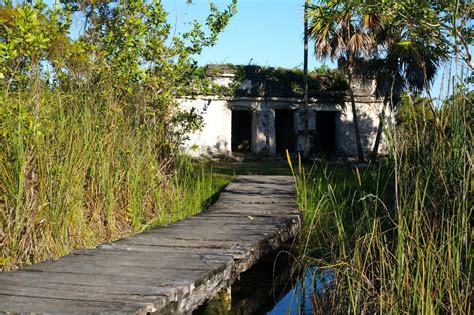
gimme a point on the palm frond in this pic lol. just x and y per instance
(372, 22)
(335, 32)
(362, 44)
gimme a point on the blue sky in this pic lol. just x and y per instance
(263, 32)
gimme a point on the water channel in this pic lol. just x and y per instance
(273, 286)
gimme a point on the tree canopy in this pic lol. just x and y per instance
(401, 44)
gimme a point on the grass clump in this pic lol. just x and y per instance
(398, 235)
(81, 173)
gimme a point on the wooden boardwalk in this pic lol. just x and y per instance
(171, 269)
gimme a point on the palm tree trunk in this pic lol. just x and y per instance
(375, 150)
(360, 151)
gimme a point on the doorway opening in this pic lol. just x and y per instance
(326, 132)
(241, 130)
(284, 130)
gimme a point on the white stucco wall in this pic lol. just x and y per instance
(263, 137)
(215, 138)
(368, 115)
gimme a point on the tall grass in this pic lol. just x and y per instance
(81, 171)
(398, 235)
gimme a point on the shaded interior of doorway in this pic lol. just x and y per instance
(241, 130)
(326, 132)
(284, 130)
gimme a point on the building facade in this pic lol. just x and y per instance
(266, 117)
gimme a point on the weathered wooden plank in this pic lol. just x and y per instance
(171, 269)
(155, 300)
(12, 304)
(91, 287)
(117, 282)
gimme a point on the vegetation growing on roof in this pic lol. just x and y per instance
(251, 80)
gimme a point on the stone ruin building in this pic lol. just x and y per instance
(261, 110)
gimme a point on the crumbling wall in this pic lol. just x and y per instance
(215, 137)
(368, 110)
(263, 135)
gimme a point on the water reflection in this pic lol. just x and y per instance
(299, 299)
(273, 286)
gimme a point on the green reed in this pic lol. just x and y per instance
(82, 171)
(398, 234)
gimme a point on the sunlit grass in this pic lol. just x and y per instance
(84, 172)
(398, 234)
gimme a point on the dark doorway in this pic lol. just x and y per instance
(325, 132)
(284, 130)
(241, 130)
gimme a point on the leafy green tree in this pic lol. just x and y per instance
(89, 122)
(399, 43)
(27, 31)
(127, 52)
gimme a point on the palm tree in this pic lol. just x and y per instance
(340, 33)
(406, 65)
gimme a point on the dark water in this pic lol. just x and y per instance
(273, 286)
(298, 299)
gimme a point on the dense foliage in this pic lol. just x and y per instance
(89, 127)
(398, 235)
